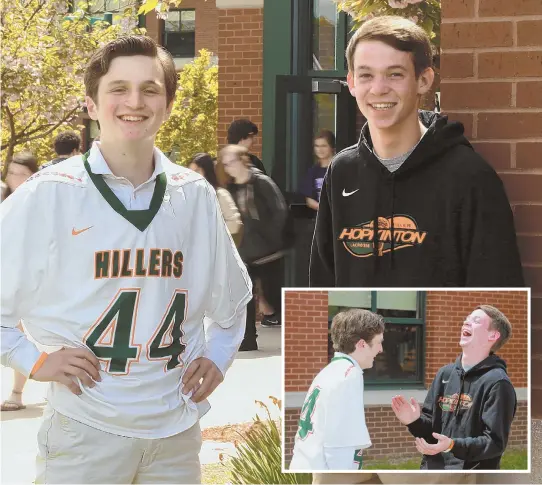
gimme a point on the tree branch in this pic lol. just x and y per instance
(50, 130)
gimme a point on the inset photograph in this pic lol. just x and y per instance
(406, 380)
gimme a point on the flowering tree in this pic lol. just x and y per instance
(44, 55)
(425, 13)
(192, 125)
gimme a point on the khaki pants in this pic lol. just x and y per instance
(72, 452)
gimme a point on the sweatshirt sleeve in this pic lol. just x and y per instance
(423, 426)
(26, 237)
(489, 246)
(232, 287)
(497, 417)
(322, 258)
(277, 210)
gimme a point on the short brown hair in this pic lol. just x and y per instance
(129, 45)
(350, 326)
(239, 151)
(328, 136)
(66, 142)
(397, 32)
(500, 323)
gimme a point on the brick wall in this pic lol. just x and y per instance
(446, 311)
(305, 354)
(391, 439)
(305, 338)
(240, 69)
(206, 24)
(492, 81)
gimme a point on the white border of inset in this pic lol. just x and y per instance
(283, 392)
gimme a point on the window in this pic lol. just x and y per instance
(402, 359)
(324, 31)
(180, 33)
(107, 10)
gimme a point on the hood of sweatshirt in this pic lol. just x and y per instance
(441, 135)
(441, 219)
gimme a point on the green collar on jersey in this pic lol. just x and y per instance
(139, 218)
(343, 358)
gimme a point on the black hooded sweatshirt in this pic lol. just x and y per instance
(479, 426)
(443, 218)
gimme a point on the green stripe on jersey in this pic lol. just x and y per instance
(139, 218)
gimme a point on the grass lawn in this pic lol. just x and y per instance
(511, 460)
(215, 473)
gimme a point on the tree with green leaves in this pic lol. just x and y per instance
(44, 55)
(425, 13)
(192, 125)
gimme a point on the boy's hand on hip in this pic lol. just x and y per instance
(202, 377)
(65, 364)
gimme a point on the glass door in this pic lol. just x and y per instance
(304, 106)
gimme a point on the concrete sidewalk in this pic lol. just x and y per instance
(253, 376)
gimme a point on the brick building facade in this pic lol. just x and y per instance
(306, 353)
(240, 67)
(492, 82)
(206, 24)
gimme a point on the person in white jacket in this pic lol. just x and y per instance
(332, 433)
(116, 257)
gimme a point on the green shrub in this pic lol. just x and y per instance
(258, 457)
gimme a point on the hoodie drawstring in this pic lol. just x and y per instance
(456, 412)
(376, 236)
(392, 261)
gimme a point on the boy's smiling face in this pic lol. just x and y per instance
(131, 103)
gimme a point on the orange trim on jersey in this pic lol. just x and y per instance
(38, 364)
(169, 330)
(107, 361)
(109, 330)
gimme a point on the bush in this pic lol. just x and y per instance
(192, 125)
(258, 457)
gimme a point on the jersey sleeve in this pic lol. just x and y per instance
(345, 415)
(231, 286)
(26, 239)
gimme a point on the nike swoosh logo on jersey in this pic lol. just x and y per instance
(348, 194)
(76, 233)
(445, 382)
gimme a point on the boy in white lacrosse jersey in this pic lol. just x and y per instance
(116, 257)
(332, 432)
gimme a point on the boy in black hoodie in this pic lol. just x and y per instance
(468, 411)
(412, 204)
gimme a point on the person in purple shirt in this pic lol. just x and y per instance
(311, 185)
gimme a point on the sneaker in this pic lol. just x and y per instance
(270, 321)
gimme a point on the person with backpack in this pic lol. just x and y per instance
(264, 214)
(204, 164)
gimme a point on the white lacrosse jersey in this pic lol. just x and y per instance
(133, 286)
(332, 423)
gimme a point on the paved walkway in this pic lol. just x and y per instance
(253, 376)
